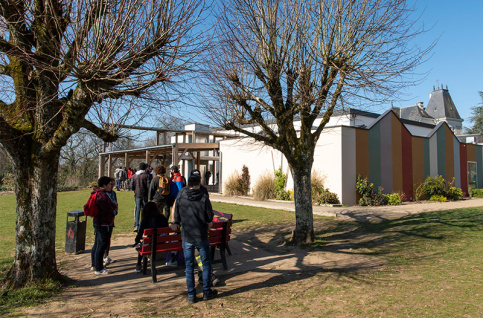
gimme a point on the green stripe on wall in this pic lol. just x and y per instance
(375, 155)
(441, 152)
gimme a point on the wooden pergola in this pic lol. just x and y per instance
(199, 148)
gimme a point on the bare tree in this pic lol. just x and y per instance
(71, 64)
(286, 65)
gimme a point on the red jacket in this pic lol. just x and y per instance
(106, 208)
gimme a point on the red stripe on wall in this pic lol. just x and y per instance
(464, 168)
(407, 162)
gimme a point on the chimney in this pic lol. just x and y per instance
(420, 105)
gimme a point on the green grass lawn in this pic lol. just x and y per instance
(432, 262)
(75, 200)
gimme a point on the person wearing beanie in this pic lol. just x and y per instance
(194, 213)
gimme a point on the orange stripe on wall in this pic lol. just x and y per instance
(397, 179)
(418, 162)
(449, 152)
(470, 152)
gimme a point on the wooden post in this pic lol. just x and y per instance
(109, 165)
(102, 167)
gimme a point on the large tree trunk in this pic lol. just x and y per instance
(304, 219)
(36, 194)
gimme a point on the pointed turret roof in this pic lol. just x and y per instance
(441, 105)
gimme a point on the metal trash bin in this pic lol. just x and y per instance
(75, 233)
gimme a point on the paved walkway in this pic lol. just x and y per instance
(358, 213)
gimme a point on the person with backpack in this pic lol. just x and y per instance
(101, 208)
(159, 188)
(176, 182)
(112, 195)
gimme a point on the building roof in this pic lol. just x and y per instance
(415, 113)
(441, 105)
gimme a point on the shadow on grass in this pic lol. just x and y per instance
(261, 260)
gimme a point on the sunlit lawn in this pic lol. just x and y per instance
(433, 262)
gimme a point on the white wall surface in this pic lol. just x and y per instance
(328, 161)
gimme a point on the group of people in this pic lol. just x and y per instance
(158, 197)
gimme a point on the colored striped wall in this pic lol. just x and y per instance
(391, 157)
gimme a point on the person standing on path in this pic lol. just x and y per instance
(140, 186)
(112, 195)
(193, 212)
(159, 188)
(176, 182)
(102, 223)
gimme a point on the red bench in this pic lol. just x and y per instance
(167, 240)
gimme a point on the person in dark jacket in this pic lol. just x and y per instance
(102, 223)
(156, 192)
(193, 212)
(196, 172)
(112, 195)
(150, 218)
(140, 186)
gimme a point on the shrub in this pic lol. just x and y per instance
(7, 182)
(63, 188)
(328, 197)
(238, 184)
(453, 193)
(438, 186)
(477, 193)
(317, 181)
(280, 181)
(379, 198)
(93, 184)
(245, 181)
(431, 186)
(438, 198)
(232, 185)
(265, 187)
(394, 199)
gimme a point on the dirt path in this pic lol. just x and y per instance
(256, 262)
(259, 260)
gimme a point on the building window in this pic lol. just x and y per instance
(472, 174)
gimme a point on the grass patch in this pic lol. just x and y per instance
(431, 265)
(32, 294)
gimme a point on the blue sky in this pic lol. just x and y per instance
(457, 59)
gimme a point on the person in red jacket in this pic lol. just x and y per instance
(102, 223)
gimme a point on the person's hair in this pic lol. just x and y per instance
(174, 168)
(143, 166)
(150, 210)
(194, 180)
(104, 180)
(195, 172)
(159, 169)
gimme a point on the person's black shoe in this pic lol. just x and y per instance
(192, 299)
(210, 295)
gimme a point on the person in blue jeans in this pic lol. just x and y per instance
(102, 223)
(140, 186)
(193, 212)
